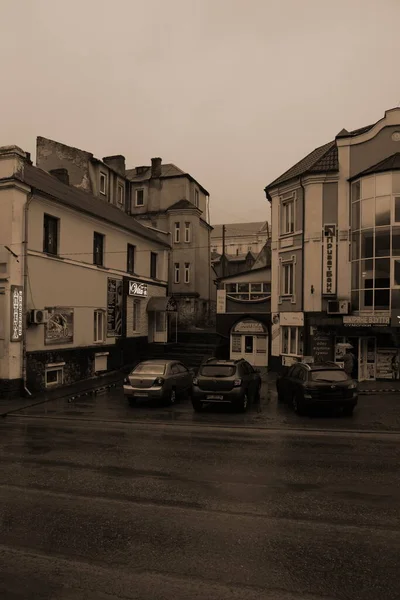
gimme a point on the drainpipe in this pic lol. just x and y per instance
(305, 340)
(25, 292)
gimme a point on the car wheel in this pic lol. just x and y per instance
(243, 403)
(297, 405)
(197, 405)
(348, 411)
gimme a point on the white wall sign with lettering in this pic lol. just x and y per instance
(292, 318)
(365, 320)
(221, 302)
(137, 289)
(16, 313)
(249, 327)
(329, 252)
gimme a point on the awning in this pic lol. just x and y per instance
(161, 304)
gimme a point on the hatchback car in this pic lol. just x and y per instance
(310, 385)
(164, 380)
(226, 381)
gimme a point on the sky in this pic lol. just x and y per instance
(232, 91)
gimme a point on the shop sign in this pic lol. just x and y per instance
(322, 347)
(137, 289)
(221, 302)
(60, 327)
(329, 260)
(384, 358)
(249, 327)
(367, 320)
(295, 319)
(114, 307)
(16, 313)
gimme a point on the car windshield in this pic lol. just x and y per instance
(331, 375)
(217, 370)
(149, 369)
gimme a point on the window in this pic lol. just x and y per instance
(153, 265)
(196, 198)
(187, 232)
(287, 217)
(139, 197)
(99, 326)
(50, 234)
(149, 369)
(292, 340)
(287, 279)
(135, 315)
(187, 272)
(54, 376)
(177, 236)
(130, 259)
(176, 273)
(103, 183)
(98, 249)
(121, 194)
(248, 291)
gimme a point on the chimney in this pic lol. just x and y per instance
(61, 174)
(156, 167)
(116, 162)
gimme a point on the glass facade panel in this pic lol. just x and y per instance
(396, 241)
(382, 241)
(396, 183)
(396, 273)
(367, 274)
(381, 299)
(367, 243)
(367, 213)
(355, 216)
(396, 298)
(356, 191)
(382, 210)
(355, 246)
(368, 187)
(366, 299)
(382, 273)
(383, 184)
(355, 275)
(397, 209)
(355, 300)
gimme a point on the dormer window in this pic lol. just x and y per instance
(103, 183)
(121, 194)
(139, 197)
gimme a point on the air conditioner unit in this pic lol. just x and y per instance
(338, 307)
(39, 317)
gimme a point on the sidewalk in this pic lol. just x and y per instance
(93, 385)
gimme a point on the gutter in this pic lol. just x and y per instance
(25, 292)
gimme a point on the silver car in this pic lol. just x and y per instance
(164, 380)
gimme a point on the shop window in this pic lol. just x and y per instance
(54, 376)
(236, 344)
(367, 243)
(381, 299)
(292, 340)
(382, 211)
(382, 241)
(367, 213)
(382, 273)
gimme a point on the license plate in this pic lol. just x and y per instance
(214, 397)
(141, 394)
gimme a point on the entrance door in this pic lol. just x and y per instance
(363, 359)
(160, 327)
(248, 342)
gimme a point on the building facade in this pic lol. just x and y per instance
(169, 199)
(243, 320)
(336, 249)
(83, 285)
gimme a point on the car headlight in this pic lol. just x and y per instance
(352, 386)
(195, 381)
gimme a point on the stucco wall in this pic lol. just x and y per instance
(371, 152)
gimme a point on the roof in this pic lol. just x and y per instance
(324, 158)
(235, 229)
(251, 271)
(355, 132)
(234, 257)
(182, 204)
(391, 163)
(161, 304)
(168, 170)
(46, 184)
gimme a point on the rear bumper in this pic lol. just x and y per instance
(221, 396)
(326, 401)
(145, 393)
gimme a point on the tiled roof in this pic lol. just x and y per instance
(182, 204)
(392, 163)
(167, 170)
(43, 182)
(235, 229)
(317, 160)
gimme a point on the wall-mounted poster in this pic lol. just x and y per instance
(114, 307)
(60, 327)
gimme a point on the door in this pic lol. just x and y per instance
(248, 342)
(160, 327)
(363, 359)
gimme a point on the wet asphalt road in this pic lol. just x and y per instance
(98, 501)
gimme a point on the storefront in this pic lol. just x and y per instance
(158, 311)
(249, 340)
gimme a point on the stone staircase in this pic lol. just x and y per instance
(191, 349)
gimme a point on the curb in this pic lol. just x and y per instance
(92, 392)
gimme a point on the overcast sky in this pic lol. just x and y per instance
(232, 91)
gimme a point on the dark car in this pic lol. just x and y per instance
(158, 379)
(309, 385)
(226, 381)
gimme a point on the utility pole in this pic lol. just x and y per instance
(223, 251)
